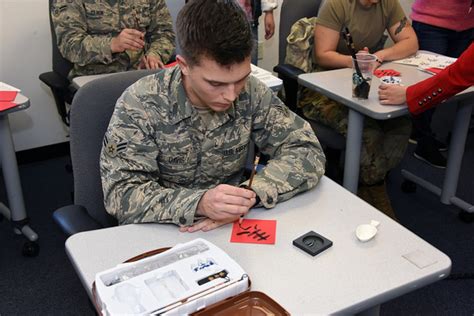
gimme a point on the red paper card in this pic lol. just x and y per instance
(254, 231)
(7, 105)
(386, 72)
(7, 95)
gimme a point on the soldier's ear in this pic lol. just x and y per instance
(183, 65)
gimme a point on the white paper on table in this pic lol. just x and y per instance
(427, 60)
(7, 87)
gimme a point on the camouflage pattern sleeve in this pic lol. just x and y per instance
(297, 159)
(73, 39)
(130, 173)
(160, 30)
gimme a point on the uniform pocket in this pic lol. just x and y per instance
(178, 167)
(100, 18)
(232, 159)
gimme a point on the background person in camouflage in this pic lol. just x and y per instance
(111, 36)
(176, 146)
(383, 142)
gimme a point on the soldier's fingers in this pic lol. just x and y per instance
(200, 225)
(239, 201)
(230, 210)
(232, 190)
(133, 33)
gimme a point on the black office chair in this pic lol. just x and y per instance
(332, 142)
(57, 80)
(91, 110)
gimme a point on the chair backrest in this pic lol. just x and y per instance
(61, 65)
(174, 6)
(91, 110)
(292, 11)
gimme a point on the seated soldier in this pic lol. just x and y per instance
(176, 146)
(112, 36)
(383, 142)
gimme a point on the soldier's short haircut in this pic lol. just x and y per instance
(216, 29)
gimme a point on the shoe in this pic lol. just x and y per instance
(427, 151)
(376, 195)
(442, 147)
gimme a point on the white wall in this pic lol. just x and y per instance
(25, 52)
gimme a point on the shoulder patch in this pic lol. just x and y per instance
(112, 148)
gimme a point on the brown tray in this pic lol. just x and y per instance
(251, 303)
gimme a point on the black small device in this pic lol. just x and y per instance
(312, 243)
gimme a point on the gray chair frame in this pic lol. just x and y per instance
(91, 111)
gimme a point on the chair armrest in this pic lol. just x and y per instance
(287, 71)
(54, 80)
(74, 219)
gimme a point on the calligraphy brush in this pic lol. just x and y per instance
(254, 170)
(362, 89)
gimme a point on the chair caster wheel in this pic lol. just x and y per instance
(466, 217)
(408, 186)
(30, 249)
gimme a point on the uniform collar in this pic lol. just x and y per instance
(183, 109)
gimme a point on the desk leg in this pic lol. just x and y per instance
(12, 182)
(353, 146)
(456, 151)
(10, 171)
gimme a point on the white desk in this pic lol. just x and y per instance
(16, 213)
(267, 77)
(337, 85)
(349, 277)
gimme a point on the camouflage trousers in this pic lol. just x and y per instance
(383, 142)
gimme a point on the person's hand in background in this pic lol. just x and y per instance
(269, 22)
(392, 94)
(151, 62)
(127, 39)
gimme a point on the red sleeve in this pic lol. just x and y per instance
(452, 80)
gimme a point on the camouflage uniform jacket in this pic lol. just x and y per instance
(85, 28)
(158, 158)
(299, 51)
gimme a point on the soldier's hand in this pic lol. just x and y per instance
(151, 62)
(127, 39)
(206, 224)
(226, 202)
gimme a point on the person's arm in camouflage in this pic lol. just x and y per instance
(160, 30)
(74, 41)
(297, 159)
(130, 174)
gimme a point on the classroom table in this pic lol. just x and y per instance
(16, 212)
(348, 278)
(337, 85)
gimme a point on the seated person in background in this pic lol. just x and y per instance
(383, 142)
(176, 146)
(430, 92)
(112, 36)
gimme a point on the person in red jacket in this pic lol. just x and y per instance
(432, 91)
